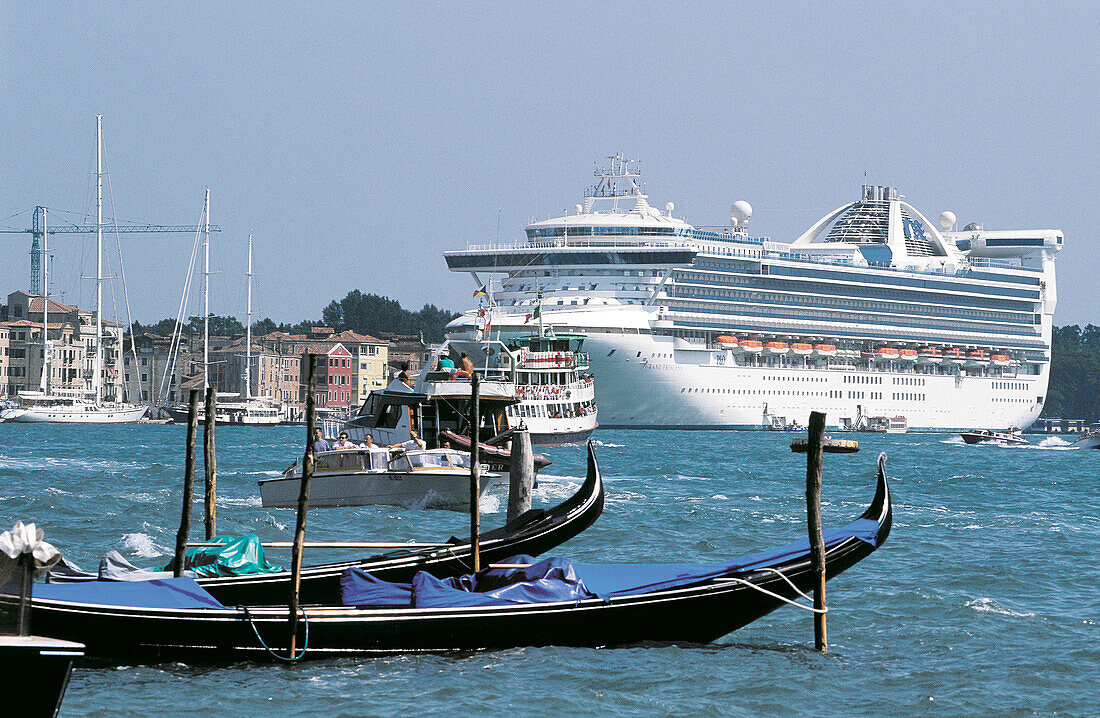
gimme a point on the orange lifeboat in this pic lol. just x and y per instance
(953, 356)
(801, 349)
(725, 341)
(751, 346)
(1000, 359)
(886, 353)
(825, 350)
(977, 357)
(777, 347)
(929, 355)
(907, 354)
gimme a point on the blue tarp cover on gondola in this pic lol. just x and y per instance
(159, 593)
(236, 556)
(558, 579)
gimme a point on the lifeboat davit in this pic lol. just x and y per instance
(886, 353)
(953, 356)
(752, 346)
(726, 342)
(907, 354)
(801, 349)
(825, 350)
(929, 355)
(1000, 360)
(777, 347)
(977, 357)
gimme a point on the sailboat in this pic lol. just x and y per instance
(229, 408)
(47, 405)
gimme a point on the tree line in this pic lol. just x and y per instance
(361, 313)
(1074, 391)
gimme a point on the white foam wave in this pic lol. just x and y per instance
(608, 444)
(246, 501)
(721, 497)
(956, 440)
(988, 605)
(55, 490)
(1055, 441)
(143, 545)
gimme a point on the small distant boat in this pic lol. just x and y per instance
(801, 349)
(897, 425)
(982, 436)
(825, 350)
(831, 446)
(999, 360)
(433, 478)
(777, 347)
(907, 354)
(751, 346)
(726, 342)
(1090, 440)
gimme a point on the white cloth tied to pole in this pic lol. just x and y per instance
(24, 539)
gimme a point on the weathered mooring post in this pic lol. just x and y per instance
(475, 471)
(188, 483)
(303, 504)
(521, 474)
(814, 455)
(210, 461)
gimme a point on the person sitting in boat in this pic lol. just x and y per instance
(403, 375)
(319, 442)
(414, 443)
(368, 442)
(467, 365)
(343, 444)
(447, 364)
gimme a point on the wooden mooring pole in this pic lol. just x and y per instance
(521, 474)
(814, 454)
(188, 484)
(475, 471)
(210, 461)
(303, 505)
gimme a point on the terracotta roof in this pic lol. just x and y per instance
(34, 306)
(349, 335)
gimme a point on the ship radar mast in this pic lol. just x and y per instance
(619, 179)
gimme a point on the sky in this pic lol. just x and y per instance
(358, 141)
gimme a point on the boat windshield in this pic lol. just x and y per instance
(420, 460)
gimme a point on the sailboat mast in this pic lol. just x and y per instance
(97, 380)
(45, 383)
(248, 330)
(206, 295)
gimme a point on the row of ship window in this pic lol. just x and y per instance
(1010, 385)
(877, 305)
(961, 300)
(875, 318)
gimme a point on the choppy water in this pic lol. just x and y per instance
(983, 601)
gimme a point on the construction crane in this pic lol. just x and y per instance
(37, 237)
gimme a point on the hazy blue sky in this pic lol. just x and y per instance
(359, 141)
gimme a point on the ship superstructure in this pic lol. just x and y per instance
(873, 311)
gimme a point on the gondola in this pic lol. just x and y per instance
(177, 620)
(533, 532)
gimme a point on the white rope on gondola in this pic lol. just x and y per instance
(784, 599)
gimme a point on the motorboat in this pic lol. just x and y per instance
(517, 603)
(430, 478)
(1091, 440)
(983, 436)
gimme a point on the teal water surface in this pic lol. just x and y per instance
(982, 602)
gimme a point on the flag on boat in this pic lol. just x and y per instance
(480, 292)
(534, 315)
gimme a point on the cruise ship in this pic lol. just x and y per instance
(873, 312)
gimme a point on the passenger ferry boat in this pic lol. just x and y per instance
(707, 327)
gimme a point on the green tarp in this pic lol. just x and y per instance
(237, 557)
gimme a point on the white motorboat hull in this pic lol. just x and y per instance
(1089, 441)
(421, 489)
(79, 415)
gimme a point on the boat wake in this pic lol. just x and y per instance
(956, 440)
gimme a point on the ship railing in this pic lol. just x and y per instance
(564, 242)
